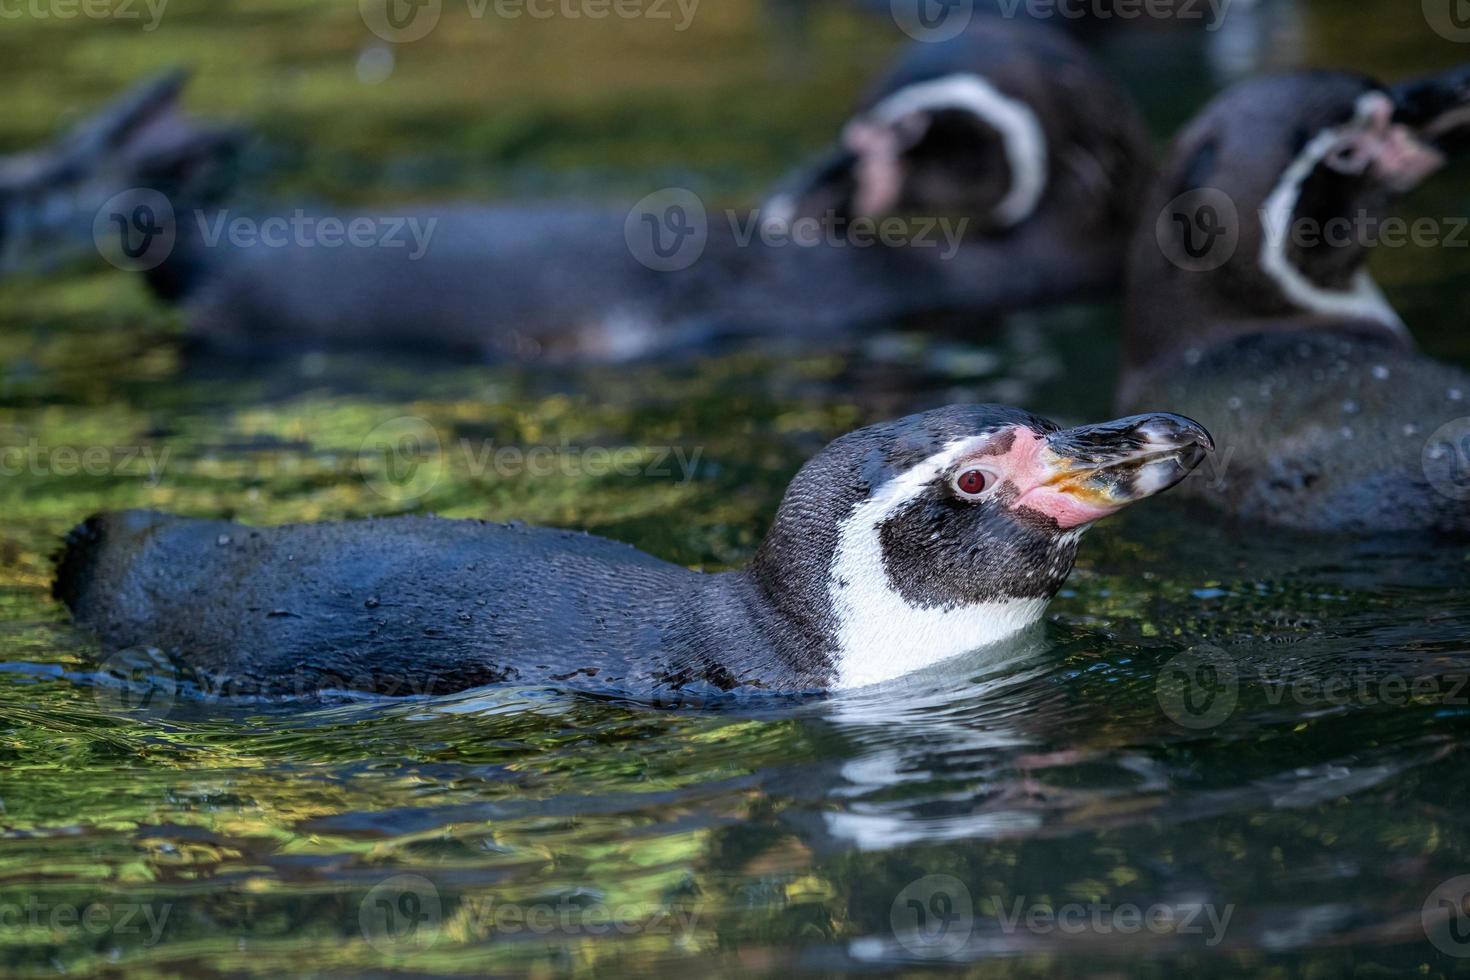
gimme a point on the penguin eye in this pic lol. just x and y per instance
(972, 483)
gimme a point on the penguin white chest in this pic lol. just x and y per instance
(881, 634)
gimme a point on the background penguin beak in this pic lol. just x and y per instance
(1437, 108)
(826, 185)
(1092, 471)
(49, 198)
(109, 130)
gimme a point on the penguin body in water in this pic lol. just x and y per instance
(994, 171)
(898, 546)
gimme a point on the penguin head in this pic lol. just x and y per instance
(933, 535)
(990, 126)
(952, 146)
(1270, 201)
(50, 197)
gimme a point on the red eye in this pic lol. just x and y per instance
(972, 482)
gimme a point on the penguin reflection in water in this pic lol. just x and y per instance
(1329, 418)
(898, 546)
(1003, 164)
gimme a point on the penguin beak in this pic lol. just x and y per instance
(1089, 472)
(1436, 108)
(825, 185)
(110, 130)
(43, 201)
(49, 198)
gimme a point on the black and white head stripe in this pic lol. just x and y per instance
(1363, 299)
(882, 633)
(914, 541)
(1020, 131)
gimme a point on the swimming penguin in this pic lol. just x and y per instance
(1249, 304)
(50, 198)
(897, 546)
(1008, 160)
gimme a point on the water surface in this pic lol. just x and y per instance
(1224, 751)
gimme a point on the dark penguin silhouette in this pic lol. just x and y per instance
(1249, 304)
(50, 198)
(897, 546)
(1010, 163)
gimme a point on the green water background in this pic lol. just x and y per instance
(256, 835)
